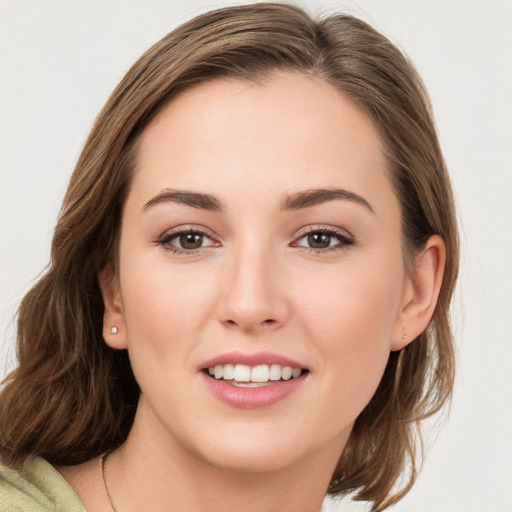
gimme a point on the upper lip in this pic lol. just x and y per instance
(255, 359)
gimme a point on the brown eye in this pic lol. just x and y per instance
(190, 240)
(324, 240)
(186, 241)
(319, 240)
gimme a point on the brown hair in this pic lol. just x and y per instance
(72, 397)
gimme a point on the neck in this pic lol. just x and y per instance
(158, 474)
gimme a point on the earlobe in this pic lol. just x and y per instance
(114, 332)
(421, 293)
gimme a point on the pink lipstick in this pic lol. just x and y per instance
(252, 380)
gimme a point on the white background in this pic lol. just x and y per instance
(59, 60)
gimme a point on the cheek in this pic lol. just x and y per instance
(351, 318)
(165, 307)
(165, 310)
(358, 299)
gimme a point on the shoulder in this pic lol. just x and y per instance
(35, 486)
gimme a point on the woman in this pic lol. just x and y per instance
(247, 303)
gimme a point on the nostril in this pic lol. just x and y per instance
(245, 325)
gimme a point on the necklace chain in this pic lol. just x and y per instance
(103, 462)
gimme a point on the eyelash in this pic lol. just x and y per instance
(166, 239)
(344, 239)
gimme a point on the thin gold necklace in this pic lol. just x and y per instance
(103, 462)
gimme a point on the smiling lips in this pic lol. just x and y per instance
(252, 380)
(253, 376)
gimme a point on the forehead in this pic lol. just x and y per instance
(286, 132)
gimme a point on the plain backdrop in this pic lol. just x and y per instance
(60, 59)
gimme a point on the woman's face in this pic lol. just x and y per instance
(260, 232)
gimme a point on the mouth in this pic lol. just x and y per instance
(253, 381)
(245, 376)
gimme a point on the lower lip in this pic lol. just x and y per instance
(253, 398)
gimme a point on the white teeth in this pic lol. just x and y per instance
(242, 373)
(229, 372)
(287, 373)
(250, 376)
(275, 372)
(260, 373)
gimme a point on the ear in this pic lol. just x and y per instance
(114, 332)
(421, 291)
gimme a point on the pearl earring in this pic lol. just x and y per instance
(113, 330)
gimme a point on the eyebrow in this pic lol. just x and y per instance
(193, 199)
(318, 196)
(295, 201)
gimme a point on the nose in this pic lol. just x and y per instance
(253, 297)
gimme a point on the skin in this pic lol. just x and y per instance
(254, 285)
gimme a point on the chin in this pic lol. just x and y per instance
(241, 457)
(264, 450)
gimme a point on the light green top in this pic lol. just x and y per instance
(35, 486)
